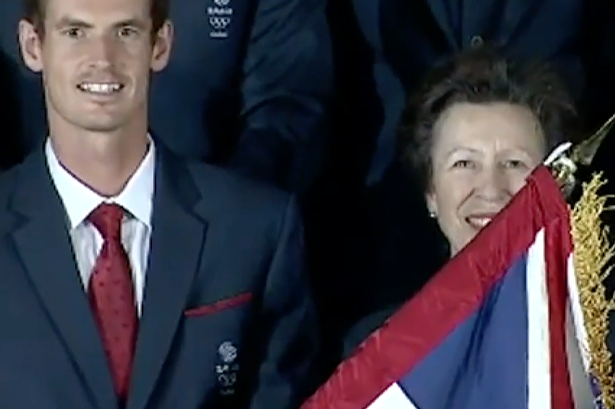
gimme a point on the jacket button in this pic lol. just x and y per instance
(476, 42)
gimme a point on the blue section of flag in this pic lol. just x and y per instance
(482, 364)
(596, 392)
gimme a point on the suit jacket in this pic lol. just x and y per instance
(227, 318)
(364, 328)
(246, 85)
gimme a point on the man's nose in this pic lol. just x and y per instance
(103, 51)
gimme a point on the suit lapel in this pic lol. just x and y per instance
(177, 242)
(43, 244)
(483, 16)
(516, 14)
(496, 19)
(442, 17)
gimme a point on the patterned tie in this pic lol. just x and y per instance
(112, 298)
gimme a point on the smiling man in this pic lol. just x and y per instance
(130, 278)
(247, 86)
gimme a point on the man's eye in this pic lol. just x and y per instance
(73, 32)
(127, 32)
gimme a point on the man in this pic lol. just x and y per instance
(131, 279)
(246, 86)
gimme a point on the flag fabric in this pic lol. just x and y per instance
(488, 331)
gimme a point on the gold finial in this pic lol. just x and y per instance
(566, 158)
(584, 152)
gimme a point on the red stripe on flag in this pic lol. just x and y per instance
(558, 247)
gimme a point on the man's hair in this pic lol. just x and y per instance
(34, 12)
(483, 76)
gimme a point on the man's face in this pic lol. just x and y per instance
(95, 57)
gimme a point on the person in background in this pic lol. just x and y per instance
(132, 278)
(247, 85)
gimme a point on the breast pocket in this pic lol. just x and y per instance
(206, 367)
(214, 333)
(218, 306)
(214, 344)
(215, 322)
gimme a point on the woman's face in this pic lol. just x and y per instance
(481, 156)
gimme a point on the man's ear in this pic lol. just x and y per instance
(30, 45)
(163, 41)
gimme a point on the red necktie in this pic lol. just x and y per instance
(112, 297)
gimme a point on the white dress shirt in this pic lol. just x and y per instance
(136, 199)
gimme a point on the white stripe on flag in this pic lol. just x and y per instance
(393, 398)
(577, 345)
(538, 359)
(577, 314)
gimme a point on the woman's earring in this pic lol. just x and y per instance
(432, 215)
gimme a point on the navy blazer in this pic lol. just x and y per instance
(246, 85)
(227, 317)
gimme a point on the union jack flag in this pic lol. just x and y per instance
(488, 331)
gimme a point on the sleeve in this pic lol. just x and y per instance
(287, 84)
(290, 331)
(363, 329)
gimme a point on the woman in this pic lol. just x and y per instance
(476, 130)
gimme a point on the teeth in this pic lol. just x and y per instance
(479, 222)
(100, 87)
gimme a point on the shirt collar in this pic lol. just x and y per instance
(79, 200)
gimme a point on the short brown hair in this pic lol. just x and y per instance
(483, 76)
(34, 12)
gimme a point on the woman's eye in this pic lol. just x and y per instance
(462, 163)
(515, 164)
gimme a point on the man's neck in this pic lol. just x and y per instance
(105, 163)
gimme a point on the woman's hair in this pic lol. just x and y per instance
(482, 76)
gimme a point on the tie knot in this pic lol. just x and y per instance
(107, 218)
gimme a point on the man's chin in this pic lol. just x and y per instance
(101, 128)
(100, 125)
